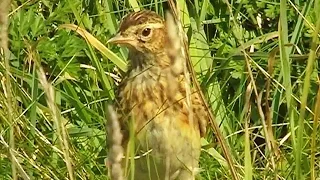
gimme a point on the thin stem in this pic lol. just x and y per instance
(4, 10)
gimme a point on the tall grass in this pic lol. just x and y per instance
(257, 63)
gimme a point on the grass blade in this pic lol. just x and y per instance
(97, 44)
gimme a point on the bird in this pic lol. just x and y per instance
(162, 131)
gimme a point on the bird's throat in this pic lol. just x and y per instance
(140, 61)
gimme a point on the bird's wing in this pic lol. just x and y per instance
(200, 114)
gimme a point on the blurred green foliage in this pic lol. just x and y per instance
(216, 45)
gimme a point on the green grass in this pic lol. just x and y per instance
(256, 61)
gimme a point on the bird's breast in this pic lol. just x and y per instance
(144, 95)
(155, 102)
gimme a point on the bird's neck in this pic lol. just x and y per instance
(140, 61)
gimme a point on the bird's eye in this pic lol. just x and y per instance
(146, 32)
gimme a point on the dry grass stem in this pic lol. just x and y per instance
(115, 140)
(56, 116)
(179, 63)
(214, 124)
(4, 52)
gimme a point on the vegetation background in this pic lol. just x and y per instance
(257, 62)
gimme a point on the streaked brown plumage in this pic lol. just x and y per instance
(153, 98)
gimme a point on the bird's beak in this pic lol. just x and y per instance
(119, 39)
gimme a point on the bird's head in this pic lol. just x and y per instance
(142, 31)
